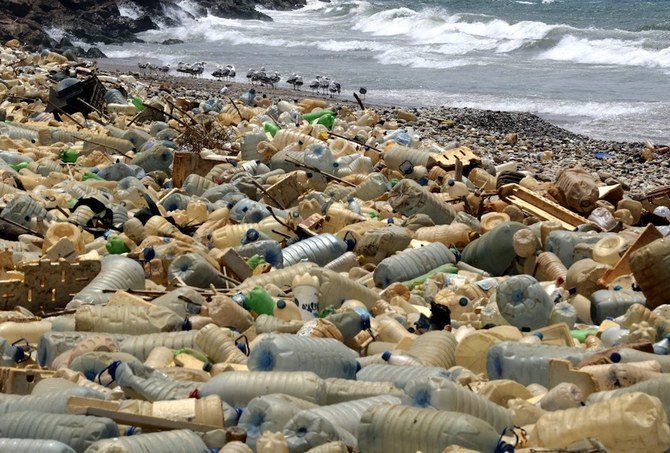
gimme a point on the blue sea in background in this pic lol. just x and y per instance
(597, 67)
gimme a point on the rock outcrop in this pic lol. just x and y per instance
(108, 21)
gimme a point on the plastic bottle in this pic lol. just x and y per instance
(127, 319)
(175, 441)
(657, 387)
(194, 270)
(528, 363)
(395, 429)
(374, 186)
(280, 277)
(612, 303)
(578, 189)
(398, 375)
(637, 313)
(144, 383)
(218, 345)
(34, 445)
(335, 288)
(77, 431)
(409, 198)
(269, 250)
(117, 272)
(141, 345)
(523, 302)
(259, 301)
(444, 395)
(609, 249)
(344, 263)
(494, 251)
(563, 243)
(482, 179)
(412, 263)
(237, 388)
(550, 268)
(323, 356)
(457, 235)
(651, 266)
(434, 348)
(319, 249)
(313, 427)
(13, 332)
(629, 422)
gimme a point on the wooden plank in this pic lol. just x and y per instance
(284, 191)
(539, 206)
(622, 267)
(148, 423)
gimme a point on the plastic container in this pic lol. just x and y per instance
(34, 445)
(324, 357)
(335, 289)
(562, 243)
(409, 198)
(613, 303)
(313, 427)
(218, 344)
(270, 413)
(651, 268)
(434, 349)
(579, 190)
(343, 263)
(144, 383)
(637, 313)
(117, 272)
(528, 363)
(194, 270)
(657, 387)
(398, 375)
(141, 345)
(175, 441)
(631, 422)
(320, 249)
(237, 388)
(444, 395)
(342, 390)
(412, 263)
(53, 343)
(54, 402)
(127, 319)
(523, 302)
(374, 186)
(494, 251)
(399, 429)
(77, 431)
(550, 268)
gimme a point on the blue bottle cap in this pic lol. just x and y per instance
(463, 301)
(386, 355)
(539, 335)
(615, 357)
(281, 304)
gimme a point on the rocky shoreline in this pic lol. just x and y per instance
(111, 21)
(537, 145)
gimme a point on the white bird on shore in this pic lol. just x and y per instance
(315, 84)
(291, 79)
(299, 83)
(231, 71)
(334, 88)
(325, 83)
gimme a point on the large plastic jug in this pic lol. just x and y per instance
(658, 387)
(127, 319)
(320, 249)
(175, 441)
(578, 189)
(612, 303)
(239, 387)
(341, 390)
(54, 403)
(323, 356)
(651, 268)
(631, 422)
(141, 345)
(494, 251)
(34, 445)
(523, 302)
(409, 198)
(434, 349)
(117, 272)
(399, 375)
(400, 429)
(412, 263)
(77, 431)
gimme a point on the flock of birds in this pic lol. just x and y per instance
(319, 85)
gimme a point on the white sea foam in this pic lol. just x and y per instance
(607, 52)
(130, 10)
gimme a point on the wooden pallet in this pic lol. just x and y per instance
(539, 206)
(448, 159)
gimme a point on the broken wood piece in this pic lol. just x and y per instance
(561, 371)
(622, 267)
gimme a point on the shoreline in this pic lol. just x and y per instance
(487, 132)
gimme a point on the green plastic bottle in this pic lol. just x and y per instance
(69, 156)
(270, 127)
(326, 120)
(581, 334)
(115, 246)
(260, 302)
(254, 261)
(88, 175)
(309, 117)
(329, 310)
(20, 166)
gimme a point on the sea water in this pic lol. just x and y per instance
(598, 67)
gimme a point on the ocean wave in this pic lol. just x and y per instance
(607, 52)
(420, 60)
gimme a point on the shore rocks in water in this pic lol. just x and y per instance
(95, 21)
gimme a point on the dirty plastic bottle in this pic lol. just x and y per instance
(194, 270)
(657, 387)
(633, 421)
(323, 356)
(219, 345)
(562, 243)
(77, 431)
(434, 349)
(494, 251)
(341, 390)
(335, 289)
(313, 427)
(320, 249)
(34, 445)
(409, 198)
(343, 263)
(550, 268)
(127, 319)
(444, 395)
(280, 277)
(55, 403)
(259, 301)
(412, 263)
(270, 413)
(650, 265)
(177, 441)
(141, 345)
(144, 383)
(396, 429)
(374, 186)
(117, 272)
(612, 303)
(398, 375)
(523, 302)
(237, 388)
(269, 250)
(578, 189)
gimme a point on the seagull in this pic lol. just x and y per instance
(325, 83)
(220, 73)
(275, 78)
(231, 71)
(363, 91)
(292, 79)
(298, 82)
(334, 88)
(165, 69)
(249, 97)
(315, 84)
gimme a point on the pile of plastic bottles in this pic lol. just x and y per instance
(323, 281)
